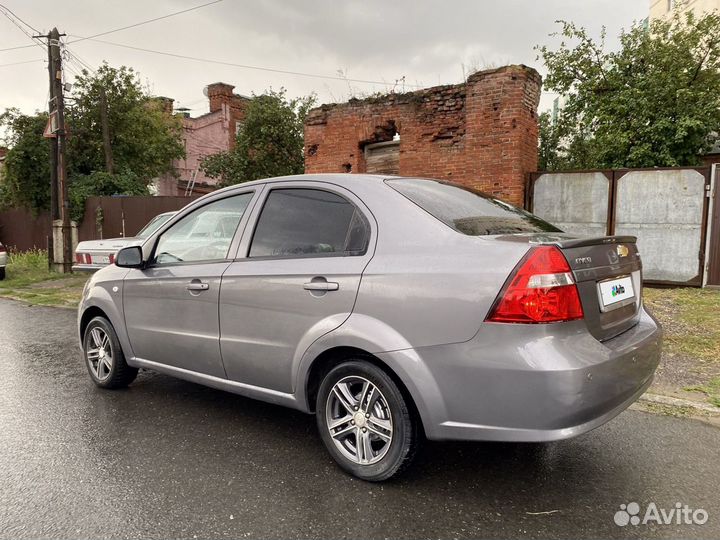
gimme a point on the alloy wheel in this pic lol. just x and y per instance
(359, 420)
(99, 353)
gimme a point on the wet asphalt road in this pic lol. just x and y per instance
(170, 459)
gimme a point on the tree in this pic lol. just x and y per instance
(654, 102)
(144, 140)
(26, 176)
(269, 143)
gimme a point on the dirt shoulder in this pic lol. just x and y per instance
(690, 365)
(29, 280)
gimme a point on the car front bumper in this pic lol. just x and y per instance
(533, 382)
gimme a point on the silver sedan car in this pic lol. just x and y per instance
(391, 308)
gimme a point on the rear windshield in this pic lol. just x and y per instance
(468, 211)
(154, 225)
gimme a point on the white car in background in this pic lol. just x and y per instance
(3, 260)
(91, 255)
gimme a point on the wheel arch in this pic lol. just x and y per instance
(88, 315)
(330, 358)
(101, 303)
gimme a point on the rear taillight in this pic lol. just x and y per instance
(2, 249)
(79, 258)
(541, 289)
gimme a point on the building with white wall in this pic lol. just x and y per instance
(663, 8)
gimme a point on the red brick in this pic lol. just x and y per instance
(481, 133)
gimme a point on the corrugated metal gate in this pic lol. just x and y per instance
(111, 217)
(712, 275)
(667, 209)
(105, 217)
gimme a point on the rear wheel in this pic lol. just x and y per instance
(365, 422)
(2, 273)
(103, 356)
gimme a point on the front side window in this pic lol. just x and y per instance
(203, 235)
(468, 211)
(307, 222)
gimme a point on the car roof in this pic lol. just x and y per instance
(343, 179)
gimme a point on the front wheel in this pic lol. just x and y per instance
(103, 356)
(365, 422)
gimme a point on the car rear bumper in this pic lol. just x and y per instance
(87, 267)
(3, 258)
(534, 382)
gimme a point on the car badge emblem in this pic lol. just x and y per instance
(622, 251)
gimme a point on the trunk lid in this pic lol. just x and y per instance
(608, 274)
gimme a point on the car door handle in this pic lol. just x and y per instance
(321, 286)
(197, 286)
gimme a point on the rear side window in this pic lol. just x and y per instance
(306, 222)
(468, 211)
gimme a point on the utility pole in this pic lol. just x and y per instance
(59, 190)
(54, 210)
(106, 132)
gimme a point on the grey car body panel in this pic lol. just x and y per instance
(545, 383)
(261, 295)
(103, 291)
(189, 339)
(417, 300)
(167, 324)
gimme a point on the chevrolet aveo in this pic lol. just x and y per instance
(391, 308)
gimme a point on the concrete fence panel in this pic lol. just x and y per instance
(575, 202)
(664, 209)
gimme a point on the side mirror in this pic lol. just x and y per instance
(130, 257)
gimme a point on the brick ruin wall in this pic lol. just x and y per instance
(482, 133)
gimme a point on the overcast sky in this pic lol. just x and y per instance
(426, 42)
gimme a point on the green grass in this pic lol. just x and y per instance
(28, 279)
(691, 319)
(711, 390)
(677, 411)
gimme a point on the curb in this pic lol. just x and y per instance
(679, 402)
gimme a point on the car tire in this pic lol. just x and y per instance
(2, 273)
(365, 422)
(104, 357)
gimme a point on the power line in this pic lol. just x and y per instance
(16, 48)
(108, 31)
(19, 19)
(23, 62)
(11, 17)
(146, 22)
(74, 57)
(232, 64)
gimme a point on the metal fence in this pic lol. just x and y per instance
(105, 217)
